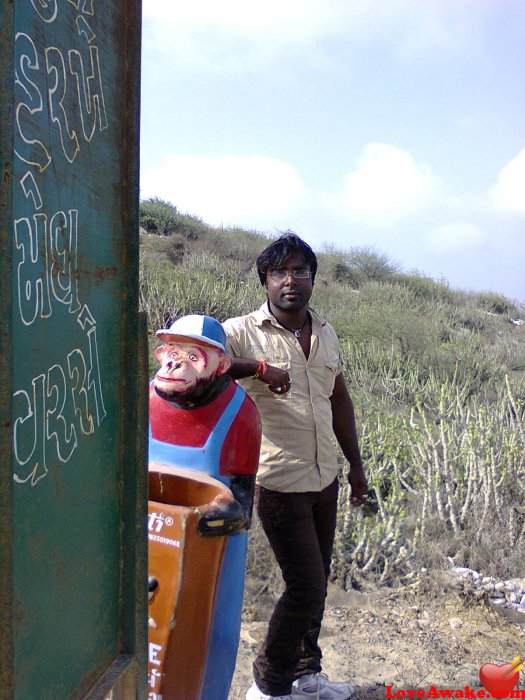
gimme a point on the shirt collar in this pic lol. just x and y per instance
(263, 315)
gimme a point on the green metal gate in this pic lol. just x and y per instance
(72, 439)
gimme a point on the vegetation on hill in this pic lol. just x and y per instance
(437, 376)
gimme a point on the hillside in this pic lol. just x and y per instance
(438, 380)
(437, 377)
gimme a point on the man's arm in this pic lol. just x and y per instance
(241, 369)
(278, 380)
(343, 422)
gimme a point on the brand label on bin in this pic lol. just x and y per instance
(157, 523)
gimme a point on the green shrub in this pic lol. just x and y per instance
(424, 288)
(190, 227)
(157, 216)
(356, 266)
(161, 217)
(370, 264)
(495, 303)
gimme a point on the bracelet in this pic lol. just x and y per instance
(261, 369)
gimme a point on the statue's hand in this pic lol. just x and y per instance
(221, 517)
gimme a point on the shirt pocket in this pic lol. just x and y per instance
(332, 358)
(331, 370)
(323, 373)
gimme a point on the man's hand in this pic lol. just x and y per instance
(358, 486)
(278, 380)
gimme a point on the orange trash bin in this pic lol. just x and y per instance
(183, 570)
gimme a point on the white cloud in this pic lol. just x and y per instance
(236, 33)
(455, 237)
(266, 193)
(387, 185)
(509, 190)
(252, 191)
(230, 34)
(231, 15)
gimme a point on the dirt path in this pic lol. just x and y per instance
(379, 638)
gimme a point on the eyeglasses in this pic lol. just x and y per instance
(281, 274)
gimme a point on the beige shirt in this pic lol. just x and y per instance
(298, 452)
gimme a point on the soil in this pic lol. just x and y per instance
(381, 637)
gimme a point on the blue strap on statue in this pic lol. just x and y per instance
(224, 637)
(204, 459)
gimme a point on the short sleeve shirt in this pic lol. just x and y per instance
(298, 451)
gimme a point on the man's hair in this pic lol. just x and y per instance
(280, 250)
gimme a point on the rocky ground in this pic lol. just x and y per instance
(382, 638)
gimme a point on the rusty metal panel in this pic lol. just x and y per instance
(73, 494)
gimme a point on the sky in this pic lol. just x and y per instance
(395, 125)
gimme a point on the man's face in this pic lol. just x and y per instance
(183, 365)
(287, 292)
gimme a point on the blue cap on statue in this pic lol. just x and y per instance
(202, 330)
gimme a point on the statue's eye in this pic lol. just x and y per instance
(193, 357)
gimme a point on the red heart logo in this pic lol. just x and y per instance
(499, 680)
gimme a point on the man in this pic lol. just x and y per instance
(293, 356)
(201, 420)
